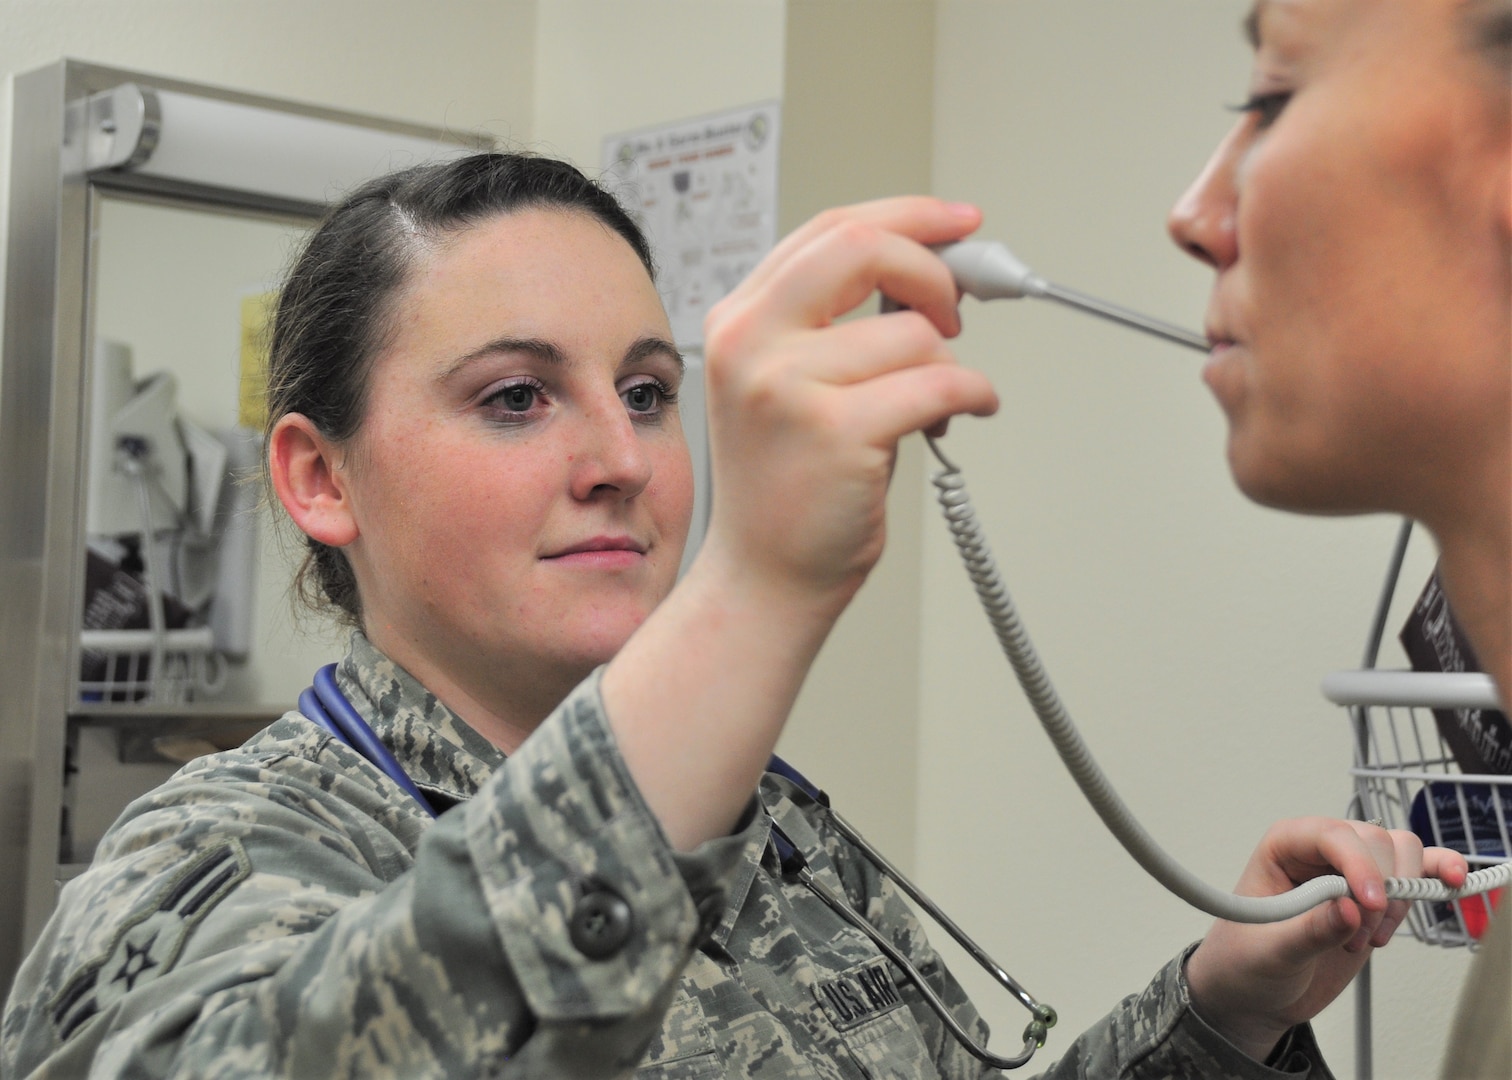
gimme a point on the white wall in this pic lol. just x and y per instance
(1186, 629)
(602, 67)
(454, 62)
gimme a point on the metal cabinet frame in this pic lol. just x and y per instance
(44, 405)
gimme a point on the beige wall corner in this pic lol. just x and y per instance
(857, 124)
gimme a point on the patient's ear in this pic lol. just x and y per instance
(303, 465)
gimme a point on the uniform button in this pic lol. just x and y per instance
(600, 924)
(710, 912)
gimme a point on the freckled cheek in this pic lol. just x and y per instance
(427, 488)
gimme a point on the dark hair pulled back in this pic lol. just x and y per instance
(1489, 25)
(335, 311)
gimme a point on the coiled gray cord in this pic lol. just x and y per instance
(1094, 784)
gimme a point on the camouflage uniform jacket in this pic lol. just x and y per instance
(283, 909)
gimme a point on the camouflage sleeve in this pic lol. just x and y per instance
(263, 915)
(1155, 1034)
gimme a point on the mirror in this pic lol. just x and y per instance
(178, 299)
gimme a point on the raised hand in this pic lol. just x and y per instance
(804, 419)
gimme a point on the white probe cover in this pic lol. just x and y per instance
(987, 270)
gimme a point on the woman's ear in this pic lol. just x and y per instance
(302, 464)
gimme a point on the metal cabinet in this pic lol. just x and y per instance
(93, 150)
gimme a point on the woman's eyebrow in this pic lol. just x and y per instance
(1489, 23)
(648, 347)
(536, 347)
(1251, 25)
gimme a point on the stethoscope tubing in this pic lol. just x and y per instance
(964, 940)
(796, 866)
(1034, 1036)
(325, 704)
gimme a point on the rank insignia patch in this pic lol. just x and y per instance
(148, 944)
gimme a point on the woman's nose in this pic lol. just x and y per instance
(611, 458)
(1203, 220)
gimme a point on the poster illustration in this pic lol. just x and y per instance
(705, 192)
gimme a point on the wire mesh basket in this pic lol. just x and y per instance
(130, 666)
(1405, 775)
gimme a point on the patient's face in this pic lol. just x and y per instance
(1357, 218)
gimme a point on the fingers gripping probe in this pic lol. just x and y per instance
(990, 271)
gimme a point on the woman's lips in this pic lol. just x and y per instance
(601, 552)
(1219, 343)
(1219, 371)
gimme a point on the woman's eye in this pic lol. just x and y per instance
(647, 398)
(514, 400)
(641, 398)
(1266, 107)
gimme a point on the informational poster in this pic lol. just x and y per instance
(252, 384)
(705, 192)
